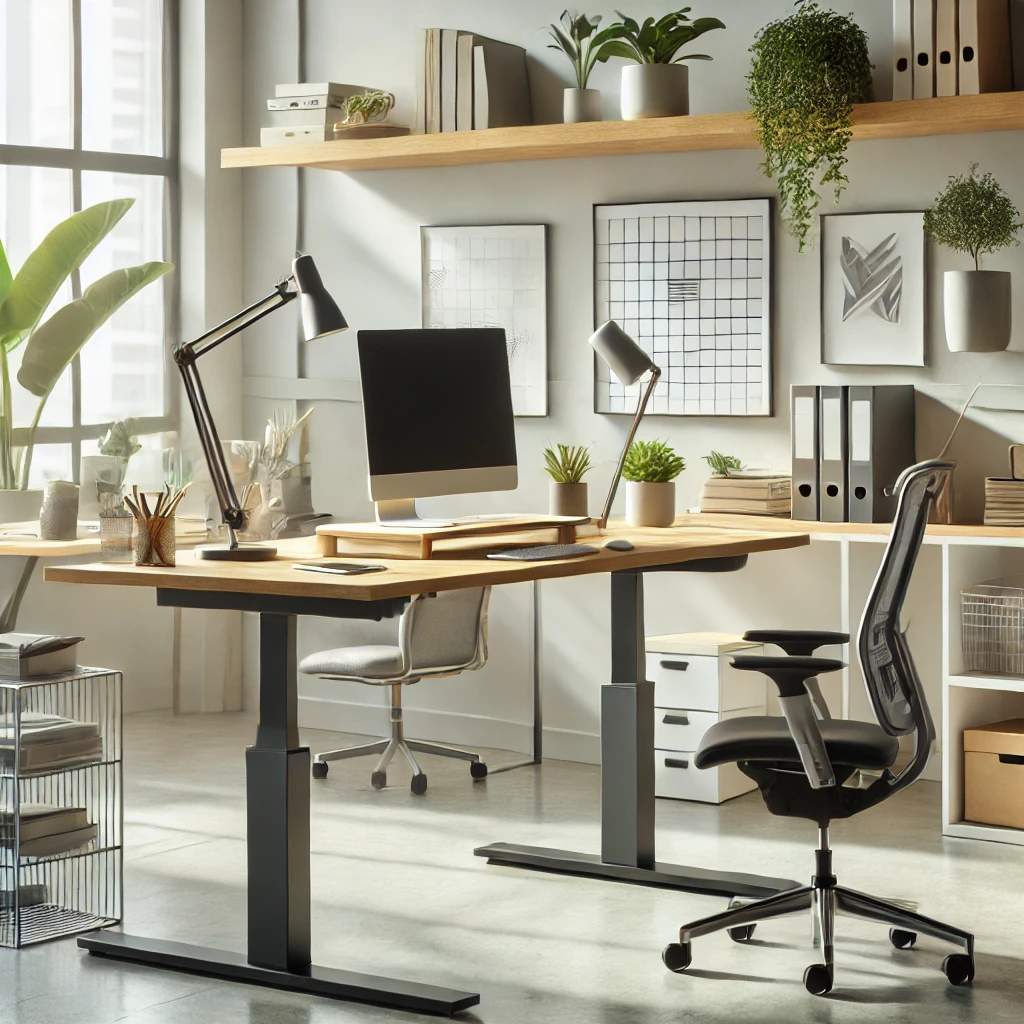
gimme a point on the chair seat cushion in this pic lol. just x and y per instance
(764, 738)
(374, 661)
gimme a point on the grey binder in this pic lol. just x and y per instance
(881, 446)
(832, 454)
(804, 410)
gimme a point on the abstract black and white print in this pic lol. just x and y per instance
(691, 282)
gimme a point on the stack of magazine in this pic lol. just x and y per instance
(748, 493)
(48, 743)
(27, 655)
(45, 831)
(1004, 502)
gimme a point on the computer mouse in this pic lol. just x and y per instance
(619, 544)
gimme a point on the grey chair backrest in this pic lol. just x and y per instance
(448, 630)
(892, 681)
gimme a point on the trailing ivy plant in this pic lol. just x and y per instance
(974, 215)
(723, 465)
(652, 462)
(658, 41)
(575, 38)
(808, 71)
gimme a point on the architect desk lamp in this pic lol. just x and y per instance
(629, 362)
(320, 316)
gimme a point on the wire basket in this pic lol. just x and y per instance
(992, 617)
(61, 808)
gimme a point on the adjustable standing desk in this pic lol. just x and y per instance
(277, 766)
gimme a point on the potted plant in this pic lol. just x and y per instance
(51, 347)
(567, 492)
(656, 84)
(973, 215)
(575, 38)
(807, 73)
(650, 470)
(723, 465)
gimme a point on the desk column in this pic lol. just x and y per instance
(627, 733)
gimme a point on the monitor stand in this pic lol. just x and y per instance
(401, 512)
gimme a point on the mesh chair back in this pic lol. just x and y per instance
(892, 681)
(449, 630)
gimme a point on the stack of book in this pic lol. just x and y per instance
(1004, 502)
(309, 111)
(27, 655)
(46, 831)
(469, 81)
(748, 494)
(48, 743)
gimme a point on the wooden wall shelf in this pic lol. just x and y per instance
(949, 115)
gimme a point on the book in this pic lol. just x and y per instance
(306, 102)
(748, 506)
(501, 86)
(1004, 502)
(37, 821)
(316, 89)
(449, 63)
(286, 135)
(30, 895)
(65, 842)
(49, 742)
(751, 487)
(432, 81)
(326, 116)
(25, 655)
(985, 59)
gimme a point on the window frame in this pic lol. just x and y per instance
(78, 160)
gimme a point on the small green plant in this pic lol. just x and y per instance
(652, 462)
(575, 38)
(567, 464)
(658, 42)
(973, 214)
(370, 106)
(807, 73)
(723, 465)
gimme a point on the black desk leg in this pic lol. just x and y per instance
(627, 780)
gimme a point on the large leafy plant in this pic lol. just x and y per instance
(50, 347)
(652, 462)
(807, 73)
(658, 41)
(575, 38)
(973, 214)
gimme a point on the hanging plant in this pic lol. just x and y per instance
(807, 73)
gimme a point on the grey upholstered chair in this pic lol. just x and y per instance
(439, 635)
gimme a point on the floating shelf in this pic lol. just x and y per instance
(981, 681)
(947, 115)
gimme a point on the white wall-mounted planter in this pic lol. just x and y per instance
(655, 90)
(650, 504)
(580, 105)
(567, 499)
(976, 307)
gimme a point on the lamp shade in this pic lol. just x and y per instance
(320, 313)
(625, 358)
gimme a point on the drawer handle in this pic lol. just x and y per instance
(676, 720)
(1011, 759)
(677, 666)
(673, 762)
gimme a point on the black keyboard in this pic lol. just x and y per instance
(545, 552)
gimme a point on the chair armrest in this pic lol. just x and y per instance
(796, 641)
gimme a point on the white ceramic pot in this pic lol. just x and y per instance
(650, 504)
(655, 90)
(581, 105)
(976, 306)
(567, 499)
(20, 506)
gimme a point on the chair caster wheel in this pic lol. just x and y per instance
(902, 939)
(418, 784)
(319, 769)
(743, 934)
(818, 979)
(378, 779)
(958, 969)
(676, 956)
(478, 769)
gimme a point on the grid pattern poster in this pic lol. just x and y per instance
(691, 282)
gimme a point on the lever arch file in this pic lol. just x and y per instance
(947, 31)
(902, 50)
(881, 445)
(985, 63)
(804, 409)
(832, 469)
(924, 49)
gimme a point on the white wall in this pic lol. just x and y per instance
(363, 230)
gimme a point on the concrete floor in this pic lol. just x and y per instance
(397, 891)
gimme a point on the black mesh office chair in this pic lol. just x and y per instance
(801, 761)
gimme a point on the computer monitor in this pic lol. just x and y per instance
(437, 405)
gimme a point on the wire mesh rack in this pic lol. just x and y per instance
(61, 808)
(992, 624)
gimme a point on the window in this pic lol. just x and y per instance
(87, 113)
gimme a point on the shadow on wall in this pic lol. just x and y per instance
(546, 90)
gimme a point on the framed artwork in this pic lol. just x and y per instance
(691, 282)
(494, 276)
(873, 289)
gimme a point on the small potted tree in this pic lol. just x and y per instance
(650, 471)
(657, 84)
(975, 216)
(576, 39)
(567, 492)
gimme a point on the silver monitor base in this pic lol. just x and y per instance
(398, 512)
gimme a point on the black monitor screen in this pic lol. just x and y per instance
(436, 400)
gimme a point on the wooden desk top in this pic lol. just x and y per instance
(405, 577)
(21, 539)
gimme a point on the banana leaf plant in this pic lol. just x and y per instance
(50, 347)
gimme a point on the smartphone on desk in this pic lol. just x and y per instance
(332, 565)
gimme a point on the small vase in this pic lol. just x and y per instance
(19, 506)
(567, 499)
(650, 504)
(655, 90)
(581, 105)
(58, 515)
(976, 307)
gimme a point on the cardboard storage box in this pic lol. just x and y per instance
(994, 774)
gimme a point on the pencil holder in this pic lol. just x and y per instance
(154, 542)
(116, 535)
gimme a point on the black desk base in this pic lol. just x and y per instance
(321, 981)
